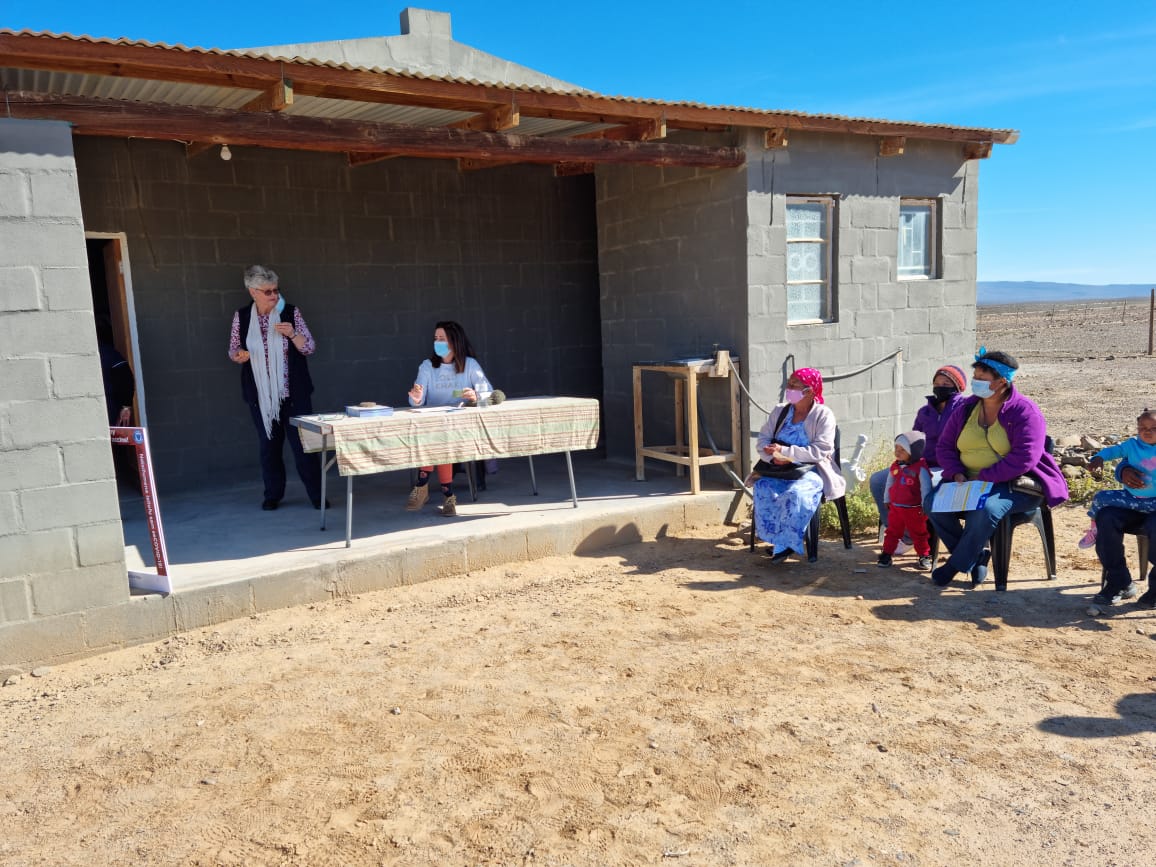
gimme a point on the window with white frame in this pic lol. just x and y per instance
(918, 237)
(810, 286)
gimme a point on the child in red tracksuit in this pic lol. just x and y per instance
(908, 481)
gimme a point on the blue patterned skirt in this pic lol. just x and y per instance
(783, 509)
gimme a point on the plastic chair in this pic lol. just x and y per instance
(1001, 541)
(1141, 555)
(811, 536)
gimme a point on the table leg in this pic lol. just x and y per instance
(348, 510)
(639, 461)
(736, 423)
(680, 421)
(692, 425)
(570, 470)
(323, 474)
(533, 479)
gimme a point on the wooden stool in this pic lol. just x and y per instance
(685, 453)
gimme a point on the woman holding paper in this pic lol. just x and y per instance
(450, 376)
(996, 436)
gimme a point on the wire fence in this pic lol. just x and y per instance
(1119, 325)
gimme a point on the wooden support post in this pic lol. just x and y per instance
(1151, 319)
(639, 460)
(692, 438)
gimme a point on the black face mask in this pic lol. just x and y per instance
(942, 393)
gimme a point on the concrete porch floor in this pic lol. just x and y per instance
(223, 546)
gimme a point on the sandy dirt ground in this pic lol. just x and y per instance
(678, 702)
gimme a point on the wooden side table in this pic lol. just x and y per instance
(685, 453)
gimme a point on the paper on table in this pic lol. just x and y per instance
(960, 496)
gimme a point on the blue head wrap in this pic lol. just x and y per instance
(999, 367)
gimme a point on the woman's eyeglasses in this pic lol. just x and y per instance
(268, 293)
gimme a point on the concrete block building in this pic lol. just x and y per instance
(396, 181)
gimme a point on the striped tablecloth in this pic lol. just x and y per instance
(418, 438)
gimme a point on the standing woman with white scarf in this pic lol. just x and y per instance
(270, 341)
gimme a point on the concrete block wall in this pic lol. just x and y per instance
(671, 256)
(61, 544)
(876, 313)
(373, 255)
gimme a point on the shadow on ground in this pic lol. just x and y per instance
(1137, 714)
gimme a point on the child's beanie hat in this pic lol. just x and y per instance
(912, 442)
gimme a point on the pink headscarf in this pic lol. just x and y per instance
(814, 381)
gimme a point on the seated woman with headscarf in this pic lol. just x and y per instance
(797, 467)
(996, 435)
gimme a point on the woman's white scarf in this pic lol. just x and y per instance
(268, 367)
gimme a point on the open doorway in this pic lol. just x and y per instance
(115, 320)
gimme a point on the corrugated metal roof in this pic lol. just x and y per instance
(138, 89)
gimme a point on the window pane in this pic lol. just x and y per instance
(914, 240)
(806, 220)
(805, 261)
(805, 302)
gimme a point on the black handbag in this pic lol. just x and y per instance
(771, 470)
(1026, 484)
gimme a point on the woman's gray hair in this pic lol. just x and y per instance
(259, 275)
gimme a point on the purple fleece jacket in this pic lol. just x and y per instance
(1026, 429)
(929, 421)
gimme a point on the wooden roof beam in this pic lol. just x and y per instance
(776, 138)
(359, 159)
(892, 146)
(644, 129)
(38, 51)
(124, 119)
(566, 170)
(977, 150)
(468, 164)
(196, 148)
(496, 119)
(276, 97)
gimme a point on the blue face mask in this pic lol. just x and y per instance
(441, 348)
(981, 388)
(280, 306)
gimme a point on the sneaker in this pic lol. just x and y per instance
(269, 505)
(1105, 600)
(979, 570)
(417, 498)
(780, 556)
(924, 562)
(884, 561)
(1131, 591)
(449, 508)
(1089, 540)
(1148, 600)
(903, 547)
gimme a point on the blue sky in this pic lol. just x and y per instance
(1071, 202)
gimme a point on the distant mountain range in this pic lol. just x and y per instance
(1021, 292)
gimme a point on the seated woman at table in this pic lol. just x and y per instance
(450, 376)
(797, 448)
(996, 435)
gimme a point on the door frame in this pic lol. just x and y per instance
(114, 282)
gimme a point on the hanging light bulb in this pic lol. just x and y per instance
(226, 154)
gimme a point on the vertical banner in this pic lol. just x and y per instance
(138, 438)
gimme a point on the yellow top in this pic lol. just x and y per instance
(979, 449)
